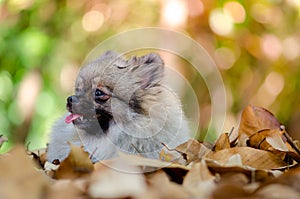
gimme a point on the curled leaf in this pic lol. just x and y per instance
(255, 118)
(184, 153)
(222, 142)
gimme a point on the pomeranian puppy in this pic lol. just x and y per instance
(120, 105)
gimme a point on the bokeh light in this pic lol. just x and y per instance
(236, 11)
(261, 13)
(291, 48)
(28, 92)
(225, 58)
(195, 8)
(174, 13)
(92, 20)
(271, 46)
(20, 4)
(220, 22)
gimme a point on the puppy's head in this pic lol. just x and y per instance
(114, 83)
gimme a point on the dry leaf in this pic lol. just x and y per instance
(254, 119)
(232, 191)
(251, 157)
(234, 185)
(277, 191)
(290, 178)
(62, 189)
(269, 140)
(253, 174)
(192, 149)
(39, 157)
(277, 140)
(199, 180)
(161, 185)
(171, 155)
(273, 140)
(174, 170)
(77, 164)
(242, 140)
(234, 178)
(222, 142)
(18, 176)
(184, 153)
(117, 179)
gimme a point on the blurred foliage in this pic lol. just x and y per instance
(255, 44)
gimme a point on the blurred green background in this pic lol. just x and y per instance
(255, 44)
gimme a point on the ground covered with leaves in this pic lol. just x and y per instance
(261, 161)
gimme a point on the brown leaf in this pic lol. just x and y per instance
(242, 140)
(171, 155)
(39, 157)
(62, 189)
(174, 170)
(254, 119)
(277, 191)
(285, 186)
(117, 179)
(253, 174)
(77, 164)
(199, 180)
(273, 140)
(290, 178)
(234, 191)
(163, 188)
(258, 159)
(268, 140)
(189, 151)
(18, 176)
(234, 178)
(277, 140)
(222, 142)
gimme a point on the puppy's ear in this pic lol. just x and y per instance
(109, 55)
(149, 70)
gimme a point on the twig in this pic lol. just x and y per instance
(290, 140)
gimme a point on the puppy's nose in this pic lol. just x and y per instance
(71, 100)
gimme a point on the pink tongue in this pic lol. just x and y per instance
(70, 118)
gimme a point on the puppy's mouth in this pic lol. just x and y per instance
(78, 118)
(101, 117)
(72, 117)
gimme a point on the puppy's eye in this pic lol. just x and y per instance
(100, 96)
(99, 93)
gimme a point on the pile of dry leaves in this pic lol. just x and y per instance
(261, 162)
